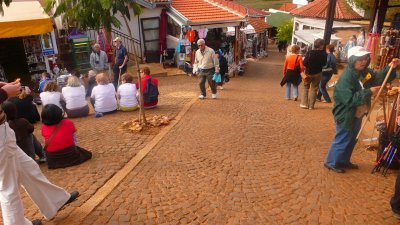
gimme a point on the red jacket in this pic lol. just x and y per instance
(145, 78)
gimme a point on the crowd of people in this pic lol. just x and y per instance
(21, 151)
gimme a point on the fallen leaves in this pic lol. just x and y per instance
(134, 126)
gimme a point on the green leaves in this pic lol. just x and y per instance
(92, 13)
(285, 31)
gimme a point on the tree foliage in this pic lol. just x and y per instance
(285, 31)
(93, 13)
(367, 5)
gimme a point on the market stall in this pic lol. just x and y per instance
(185, 25)
(27, 41)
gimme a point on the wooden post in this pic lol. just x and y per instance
(330, 15)
(383, 6)
(372, 19)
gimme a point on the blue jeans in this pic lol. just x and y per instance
(295, 90)
(326, 76)
(339, 153)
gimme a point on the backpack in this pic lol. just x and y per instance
(151, 93)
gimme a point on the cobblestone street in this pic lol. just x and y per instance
(249, 157)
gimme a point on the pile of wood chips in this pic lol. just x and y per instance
(155, 121)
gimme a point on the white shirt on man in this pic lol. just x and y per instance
(206, 60)
(53, 97)
(127, 92)
(104, 96)
(75, 97)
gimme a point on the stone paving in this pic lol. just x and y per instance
(249, 157)
(111, 146)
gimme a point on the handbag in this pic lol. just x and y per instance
(217, 77)
(297, 68)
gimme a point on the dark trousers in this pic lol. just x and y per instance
(326, 76)
(117, 74)
(38, 147)
(395, 201)
(208, 75)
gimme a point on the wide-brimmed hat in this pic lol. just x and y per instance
(357, 51)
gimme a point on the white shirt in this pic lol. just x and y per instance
(48, 97)
(75, 97)
(205, 60)
(127, 92)
(104, 96)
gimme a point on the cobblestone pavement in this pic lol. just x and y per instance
(111, 146)
(249, 157)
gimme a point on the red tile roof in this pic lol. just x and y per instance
(318, 9)
(259, 25)
(158, 1)
(287, 7)
(204, 11)
(241, 9)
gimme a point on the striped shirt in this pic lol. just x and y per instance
(3, 97)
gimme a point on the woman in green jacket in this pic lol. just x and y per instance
(352, 97)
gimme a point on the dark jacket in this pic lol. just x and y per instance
(314, 61)
(348, 93)
(23, 130)
(91, 84)
(26, 109)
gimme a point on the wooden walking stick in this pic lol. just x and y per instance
(374, 102)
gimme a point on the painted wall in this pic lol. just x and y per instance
(134, 23)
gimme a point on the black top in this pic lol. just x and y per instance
(26, 109)
(91, 84)
(23, 129)
(314, 61)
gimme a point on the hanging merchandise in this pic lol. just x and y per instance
(191, 35)
(201, 33)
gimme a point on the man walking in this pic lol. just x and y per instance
(98, 59)
(121, 60)
(313, 61)
(205, 65)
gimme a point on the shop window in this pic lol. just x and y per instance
(305, 27)
(173, 28)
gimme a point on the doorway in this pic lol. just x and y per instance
(151, 38)
(13, 59)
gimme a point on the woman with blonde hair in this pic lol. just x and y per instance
(51, 95)
(74, 95)
(126, 94)
(292, 69)
(26, 108)
(103, 97)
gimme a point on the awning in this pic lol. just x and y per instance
(309, 36)
(24, 19)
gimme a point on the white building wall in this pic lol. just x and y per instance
(135, 23)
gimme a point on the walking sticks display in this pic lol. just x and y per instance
(387, 152)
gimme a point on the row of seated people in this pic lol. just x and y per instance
(60, 146)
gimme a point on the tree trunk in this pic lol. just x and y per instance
(142, 115)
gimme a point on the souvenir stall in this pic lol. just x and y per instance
(185, 25)
(26, 36)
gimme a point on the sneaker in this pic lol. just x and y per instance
(202, 97)
(318, 100)
(42, 160)
(311, 108)
(295, 99)
(221, 88)
(36, 222)
(214, 96)
(334, 169)
(73, 197)
(303, 106)
(351, 166)
(98, 114)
